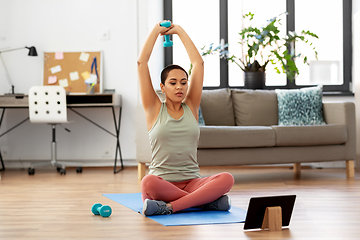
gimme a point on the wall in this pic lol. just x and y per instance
(356, 72)
(75, 25)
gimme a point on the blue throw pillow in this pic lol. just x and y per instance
(300, 106)
(201, 118)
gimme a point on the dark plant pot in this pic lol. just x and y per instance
(254, 80)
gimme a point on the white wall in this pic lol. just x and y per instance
(356, 72)
(75, 25)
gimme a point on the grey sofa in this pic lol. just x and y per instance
(241, 128)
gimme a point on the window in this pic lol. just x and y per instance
(223, 20)
(268, 10)
(326, 70)
(192, 20)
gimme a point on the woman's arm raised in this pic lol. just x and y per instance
(193, 97)
(150, 100)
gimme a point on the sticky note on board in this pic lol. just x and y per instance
(59, 55)
(52, 79)
(74, 76)
(92, 79)
(63, 82)
(85, 75)
(84, 57)
(55, 69)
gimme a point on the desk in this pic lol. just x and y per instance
(73, 101)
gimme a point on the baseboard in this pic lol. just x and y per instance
(83, 162)
(133, 162)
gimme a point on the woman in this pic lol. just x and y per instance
(174, 182)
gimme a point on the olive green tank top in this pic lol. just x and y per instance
(174, 146)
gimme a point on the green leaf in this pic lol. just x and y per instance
(277, 70)
(305, 59)
(266, 44)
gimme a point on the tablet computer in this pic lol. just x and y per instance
(257, 206)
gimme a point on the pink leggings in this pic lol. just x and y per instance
(191, 193)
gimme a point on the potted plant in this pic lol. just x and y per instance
(264, 45)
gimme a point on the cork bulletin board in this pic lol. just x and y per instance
(77, 72)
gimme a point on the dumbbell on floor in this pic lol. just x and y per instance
(102, 210)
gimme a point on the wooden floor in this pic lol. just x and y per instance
(50, 206)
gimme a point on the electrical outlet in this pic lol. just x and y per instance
(104, 34)
(4, 150)
(106, 154)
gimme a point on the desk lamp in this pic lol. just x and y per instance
(32, 52)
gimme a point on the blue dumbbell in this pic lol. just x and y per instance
(102, 210)
(167, 42)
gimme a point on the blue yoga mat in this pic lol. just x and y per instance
(191, 216)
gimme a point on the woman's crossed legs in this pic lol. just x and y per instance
(191, 193)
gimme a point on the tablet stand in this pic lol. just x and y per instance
(272, 219)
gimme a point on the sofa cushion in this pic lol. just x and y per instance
(236, 137)
(217, 107)
(201, 120)
(255, 107)
(310, 135)
(300, 106)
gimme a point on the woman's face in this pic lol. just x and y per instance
(176, 85)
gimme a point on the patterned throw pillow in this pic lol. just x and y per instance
(300, 106)
(201, 118)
